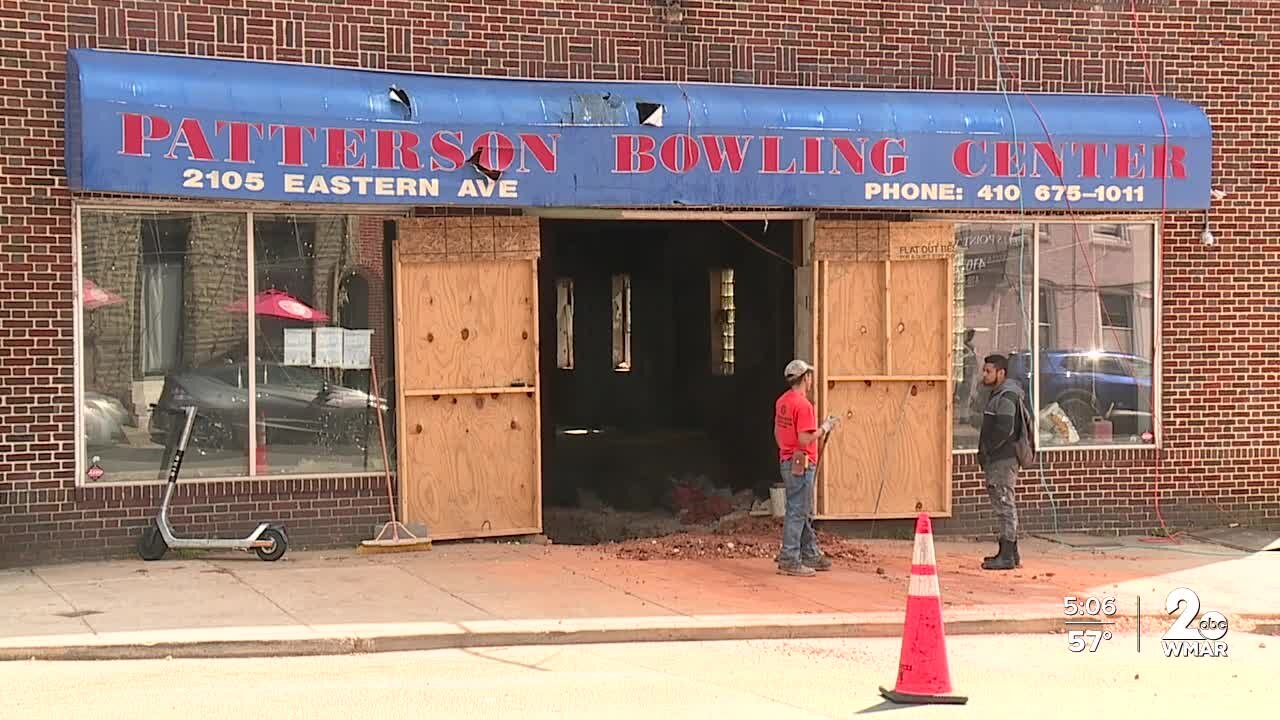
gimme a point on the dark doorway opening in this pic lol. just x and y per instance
(662, 348)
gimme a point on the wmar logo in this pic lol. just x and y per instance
(1188, 637)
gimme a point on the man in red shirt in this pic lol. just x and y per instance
(796, 430)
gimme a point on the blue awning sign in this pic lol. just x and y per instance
(144, 124)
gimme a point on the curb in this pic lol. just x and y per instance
(452, 641)
(443, 641)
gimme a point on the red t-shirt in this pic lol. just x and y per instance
(794, 414)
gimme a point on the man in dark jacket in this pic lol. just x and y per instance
(1004, 426)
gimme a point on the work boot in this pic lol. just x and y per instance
(821, 563)
(989, 558)
(797, 570)
(1006, 560)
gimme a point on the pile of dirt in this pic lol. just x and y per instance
(736, 537)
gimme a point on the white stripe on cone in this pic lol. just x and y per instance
(924, 586)
(923, 553)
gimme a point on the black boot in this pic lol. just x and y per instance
(989, 558)
(1006, 560)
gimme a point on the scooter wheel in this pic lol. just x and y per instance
(151, 545)
(278, 545)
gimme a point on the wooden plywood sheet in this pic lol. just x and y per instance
(851, 240)
(853, 318)
(468, 238)
(888, 434)
(919, 312)
(473, 461)
(467, 324)
(921, 240)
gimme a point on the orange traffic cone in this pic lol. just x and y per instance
(923, 676)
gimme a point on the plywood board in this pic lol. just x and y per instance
(849, 240)
(920, 343)
(468, 238)
(473, 463)
(853, 312)
(892, 444)
(467, 324)
(921, 240)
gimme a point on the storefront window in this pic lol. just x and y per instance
(1098, 344)
(1092, 378)
(994, 282)
(158, 332)
(167, 320)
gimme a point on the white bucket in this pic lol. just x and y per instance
(778, 497)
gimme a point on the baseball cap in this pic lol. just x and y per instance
(796, 368)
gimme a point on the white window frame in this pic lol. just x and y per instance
(1157, 369)
(78, 360)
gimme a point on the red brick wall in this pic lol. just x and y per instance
(1221, 395)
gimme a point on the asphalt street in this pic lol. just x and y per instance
(1004, 676)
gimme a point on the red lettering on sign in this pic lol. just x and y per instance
(853, 155)
(137, 130)
(1130, 163)
(292, 153)
(1008, 162)
(679, 153)
(634, 154)
(962, 159)
(886, 164)
(395, 149)
(239, 150)
(1046, 153)
(1175, 165)
(772, 157)
(543, 152)
(448, 146)
(339, 147)
(812, 156)
(497, 152)
(727, 148)
(190, 135)
(1089, 158)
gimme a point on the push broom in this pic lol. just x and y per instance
(393, 536)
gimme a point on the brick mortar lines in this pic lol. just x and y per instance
(1217, 301)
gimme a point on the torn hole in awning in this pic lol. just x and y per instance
(650, 113)
(490, 173)
(399, 95)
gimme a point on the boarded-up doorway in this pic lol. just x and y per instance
(467, 373)
(883, 343)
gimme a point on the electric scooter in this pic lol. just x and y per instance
(268, 540)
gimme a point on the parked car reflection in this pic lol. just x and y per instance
(1089, 383)
(296, 405)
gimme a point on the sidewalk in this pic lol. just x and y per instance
(470, 595)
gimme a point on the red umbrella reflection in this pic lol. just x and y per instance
(95, 297)
(274, 303)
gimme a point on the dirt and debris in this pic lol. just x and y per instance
(690, 503)
(738, 536)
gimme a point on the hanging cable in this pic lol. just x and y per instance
(1027, 317)
(1079, 243)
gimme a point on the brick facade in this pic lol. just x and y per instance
(1221, 338)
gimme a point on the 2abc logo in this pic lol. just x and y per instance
(1193, 634)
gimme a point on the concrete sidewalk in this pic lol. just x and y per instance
(470, 595)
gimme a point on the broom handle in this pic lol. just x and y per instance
(382, 439)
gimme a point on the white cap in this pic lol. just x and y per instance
(796, 368)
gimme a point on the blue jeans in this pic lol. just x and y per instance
(799, 542)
